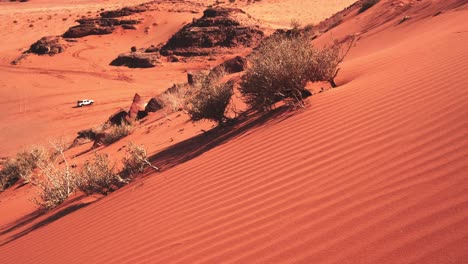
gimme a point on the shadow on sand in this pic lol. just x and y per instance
(195, 146)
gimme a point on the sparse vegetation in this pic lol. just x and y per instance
(210, 98)
(366, 4)
(174, 98)
(56, 183)
(116, 132)
(134, 162)
(281, 67)
(21, 166)
(98, 176)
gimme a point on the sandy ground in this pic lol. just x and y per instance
(372, 172)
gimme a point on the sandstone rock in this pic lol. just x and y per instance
(126, 11)
(219, 27)
(96, 26)
(236, 64)
(48, 45)
(153, 105)
(137, 60)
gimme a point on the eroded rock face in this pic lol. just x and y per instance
(97, 26)
(137, 59)
(219, 27)
(48, 45)
(153, 105)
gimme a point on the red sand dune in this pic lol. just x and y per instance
(372, 172)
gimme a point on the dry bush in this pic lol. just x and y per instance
(174, 98)
(366, 4)
(280, 68)
(57, 182)
(21, 166)
(98, 176)
(210, 97)
(55, 185)
(134, 162)
(116, 132)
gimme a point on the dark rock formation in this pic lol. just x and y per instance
(118, 118)
(153, 105)
(236, 64)
(96, 26)
(219, 27)
(137, 60)
(48, 45)
(126, 11)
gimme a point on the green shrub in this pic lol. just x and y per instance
(366, 4)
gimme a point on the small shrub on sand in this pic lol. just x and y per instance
(98, 176)
(366, 4)
(174, 98)
(21, 166)
(281, 67)
(134, 162)
(116, 132)
(210, 98)
(56, 182)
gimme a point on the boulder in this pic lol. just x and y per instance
(137, 60)
(118, 118)
(48, 45)
(236, 64)
(153, 105)
(136, 106)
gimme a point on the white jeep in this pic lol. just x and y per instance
(84, 102)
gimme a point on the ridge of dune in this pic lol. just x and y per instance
(372, 172)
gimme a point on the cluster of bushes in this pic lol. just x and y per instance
(56, 180)
(279, 69)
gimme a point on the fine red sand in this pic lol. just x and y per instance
(372, 172)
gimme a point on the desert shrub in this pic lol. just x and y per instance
(174, 98)
(98, 176)
(116, 132)
(280, 68)
(210, 97)
(366, 4)
(134, 162)
(55, 185)
(21, 166)
(56, 182)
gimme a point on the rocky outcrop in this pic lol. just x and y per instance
(48, 45)
(126, 11)
(136, 106)
(218, 28)
(137, 59)
(153, 105)
(96, 26)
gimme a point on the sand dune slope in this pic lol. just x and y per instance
(372, 172)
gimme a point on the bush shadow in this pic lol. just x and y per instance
(195, 146)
